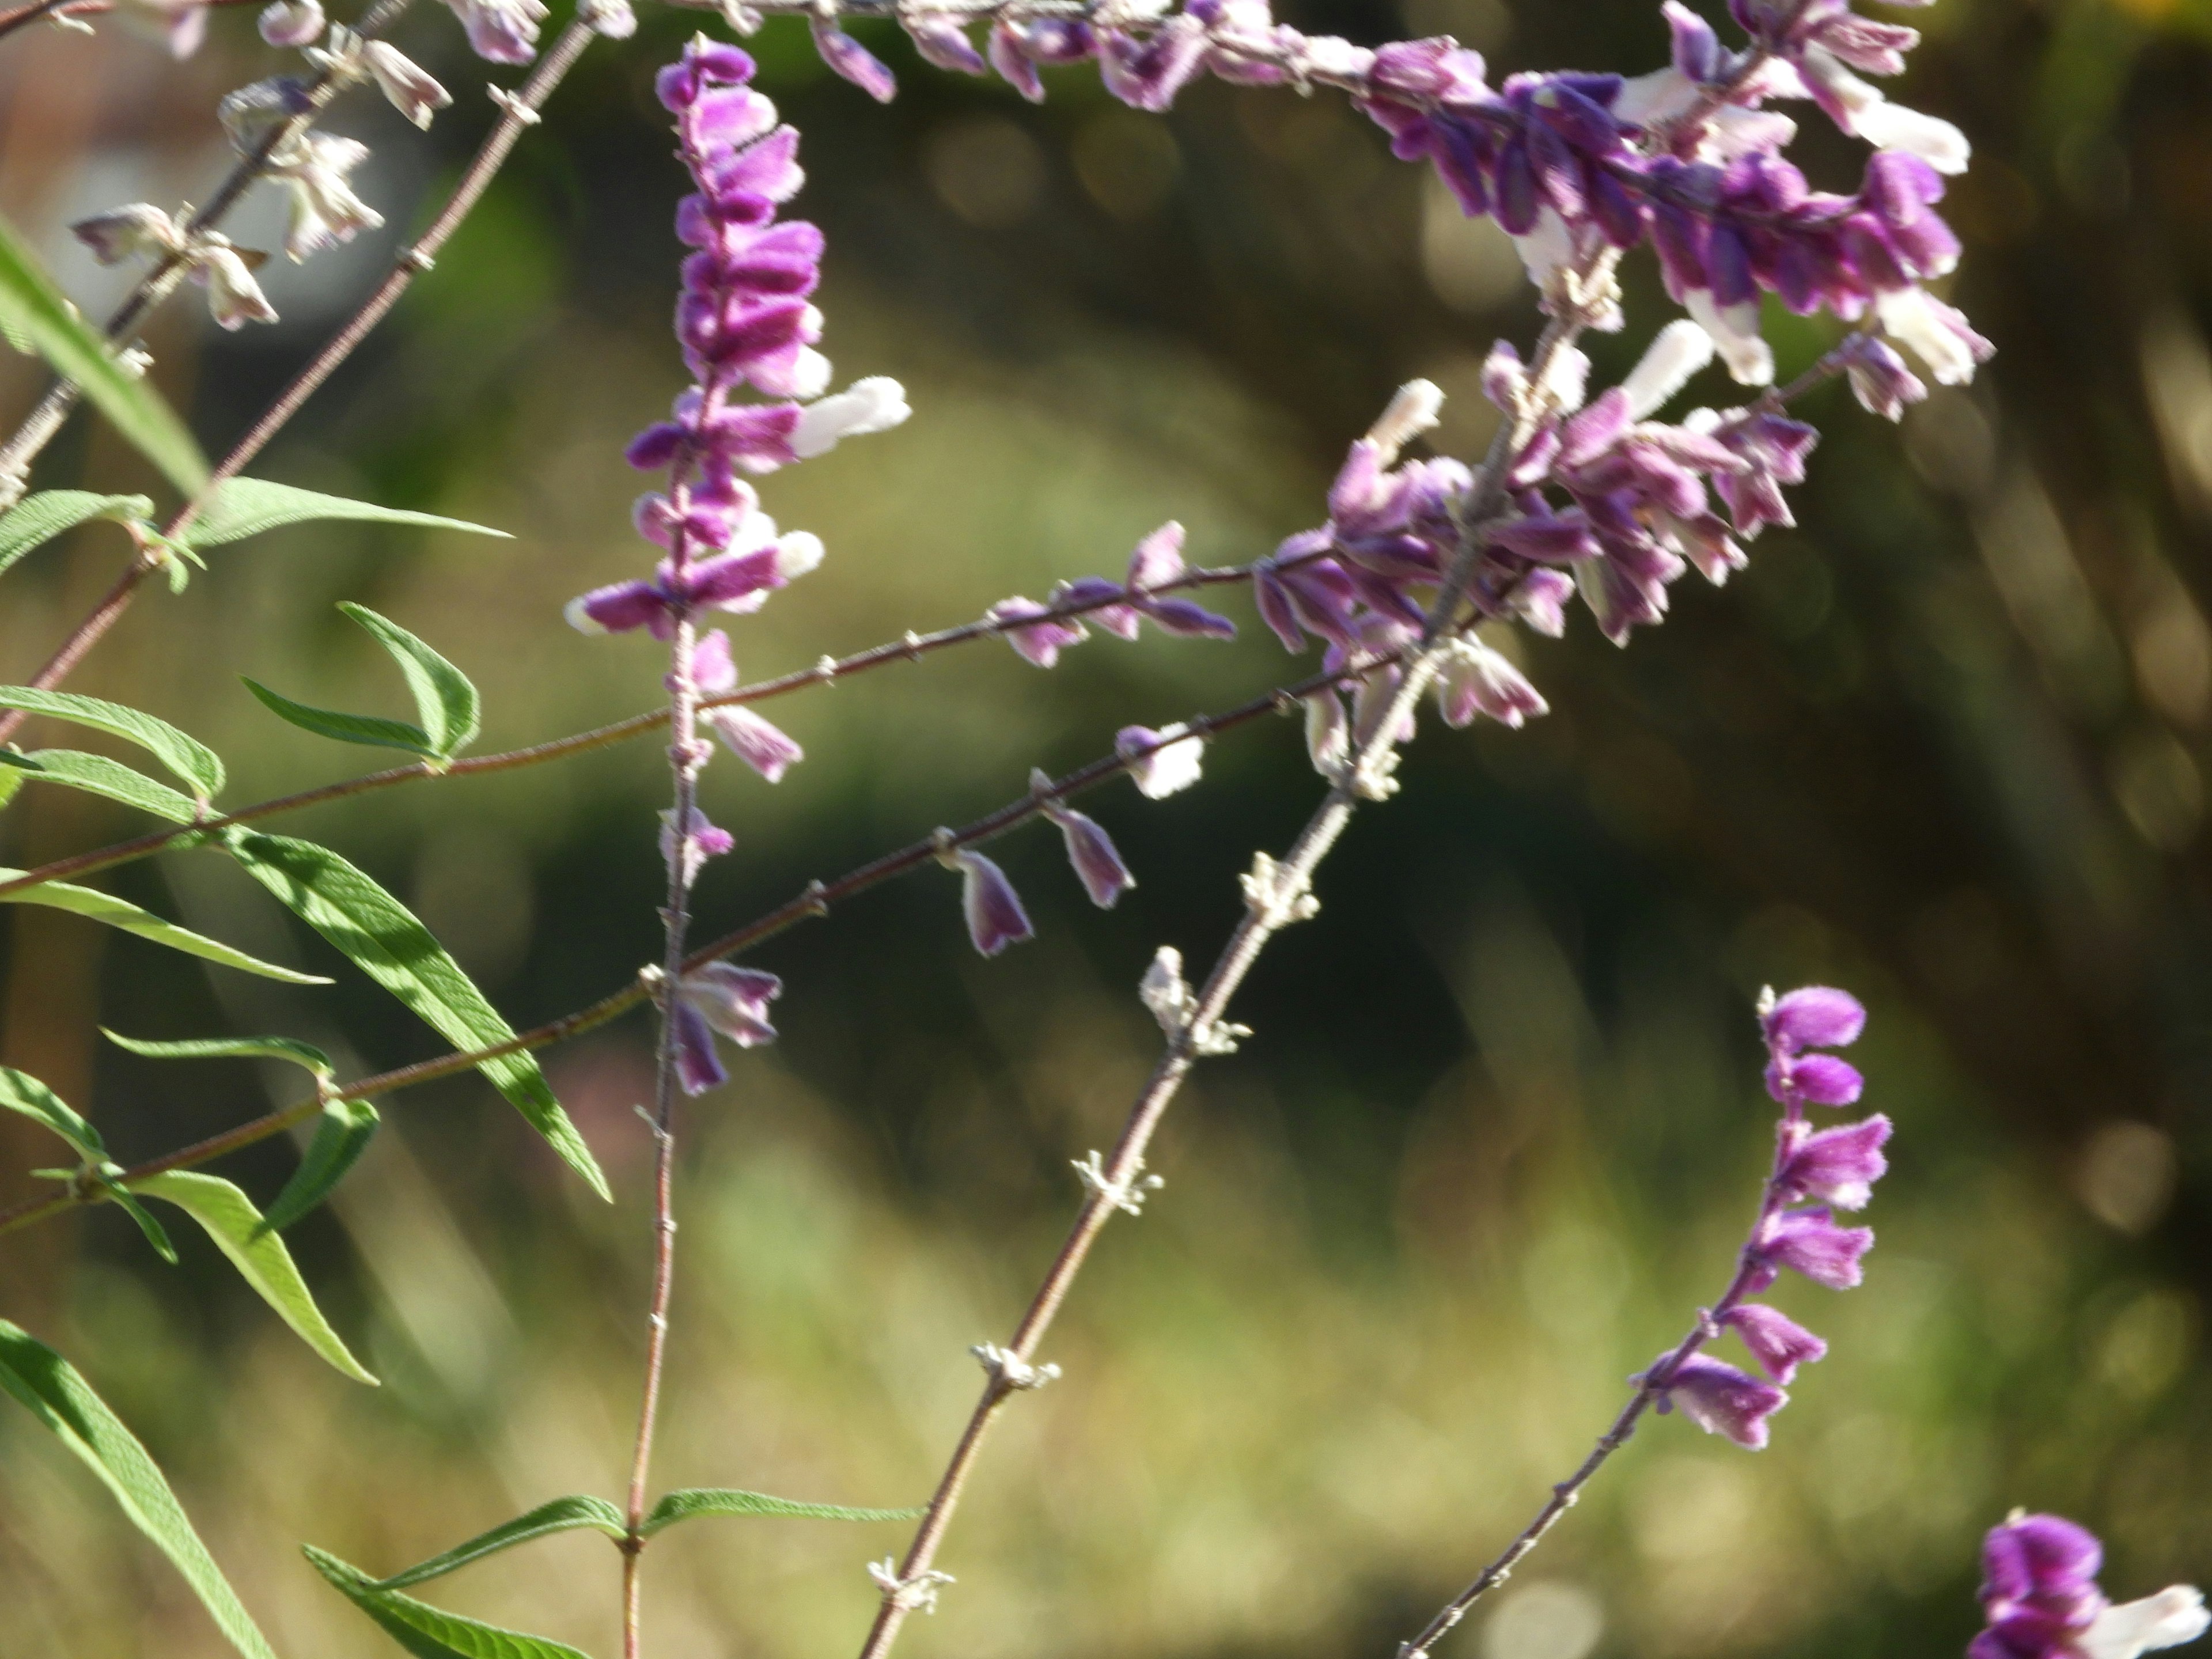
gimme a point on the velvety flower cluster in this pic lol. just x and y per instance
(744, 319)
(2040, 1596)
(1816, 1173)
(1687, 156)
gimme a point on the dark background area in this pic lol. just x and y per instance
(1499, 1129)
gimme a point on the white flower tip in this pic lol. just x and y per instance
(2175, 1615)
(1677, 352)
(579, 618)
(798, 553)
(810, 375)
(1734, 331)
(1415, 409)
(1934, 140)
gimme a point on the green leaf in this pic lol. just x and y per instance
(98, 775)
(446, 703)
(188, 757)
(121, 913)
(246, 506)
(61, 1399)
(21, 1092)
(35, 307)
(157, 1234)
(562, 1514)
(235, 1225)
(265, 1048)
(429, 1632)
(696, 1501)
(367, 729)
(381, 937)
(341, 1135)
(39, 519)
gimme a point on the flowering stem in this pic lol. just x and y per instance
(1649, 1388)
(910, 648)
(1266, 914)
(158, 283)
(815, 900)
(411, 264)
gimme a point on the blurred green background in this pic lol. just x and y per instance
(1500, 1128)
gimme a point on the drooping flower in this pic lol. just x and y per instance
(1722, 1400)
(502, 31)
(130, 232)
(1091, 850)
(1041, 642)
(1837, 1166)
(701, 840)
(1777, 1342)
(854, 61)
(720, 997)
(234, 299)
(988, 900)
(312, 168)
(405, 84)
(1476, 680)
(1809, 1241)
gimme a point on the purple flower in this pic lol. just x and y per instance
(1837, 1166)
(1041, 642)
(701, 840)
(1147, 74)
(1091, 850)
(698, 1067)
(1160, 763)
(734, 1000)
(993, 908)
(1778, 1343)
(1477, 680)
(759, 743)
(503, 31)
(2040, 1593)
(1009, 48)
(1809, 1242)
(849, 59)
(1813, 1016)
(941, 40)
(1722, 1400)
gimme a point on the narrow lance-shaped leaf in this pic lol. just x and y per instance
(247, 507)
(121, 913)
(341, 1135)
(39, 519)
(98, 775)
(21, 1092)
(562, 1514)
(65, 1403)
(34, 308)
(429, 1632)
(443, 699)
(694, 1502)
(234, 1225)
(188, 757)
(249, 1048)
(371, 730)
(381, 937)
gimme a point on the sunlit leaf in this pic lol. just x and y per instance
(369, 729)
(562, 1514)
(694, 1502)
(249, 1048)
(443, 699)
(429, 1632)
(157, 1234)
(37, 519)
(381, 937)
(99, 774)
(247, 507)
(259, 1254)
(121, 913)
(21, 1092)
(35, 309)
(188, 757)
(341, 1135)
(65, 1403)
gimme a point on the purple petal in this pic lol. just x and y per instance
(993, 909)
(1838, 1166)
(1723, 1400)
(1815, 1016)
(733, 1000)
(1159, 558)
(758, 743)
(1777, 1342)
(849, 59)
(618, 609)
(1091, 851)
(698, 1067)
(1042, 642)
(1809, 1242)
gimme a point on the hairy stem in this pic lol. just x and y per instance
(1267, 914)
(816, 899)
